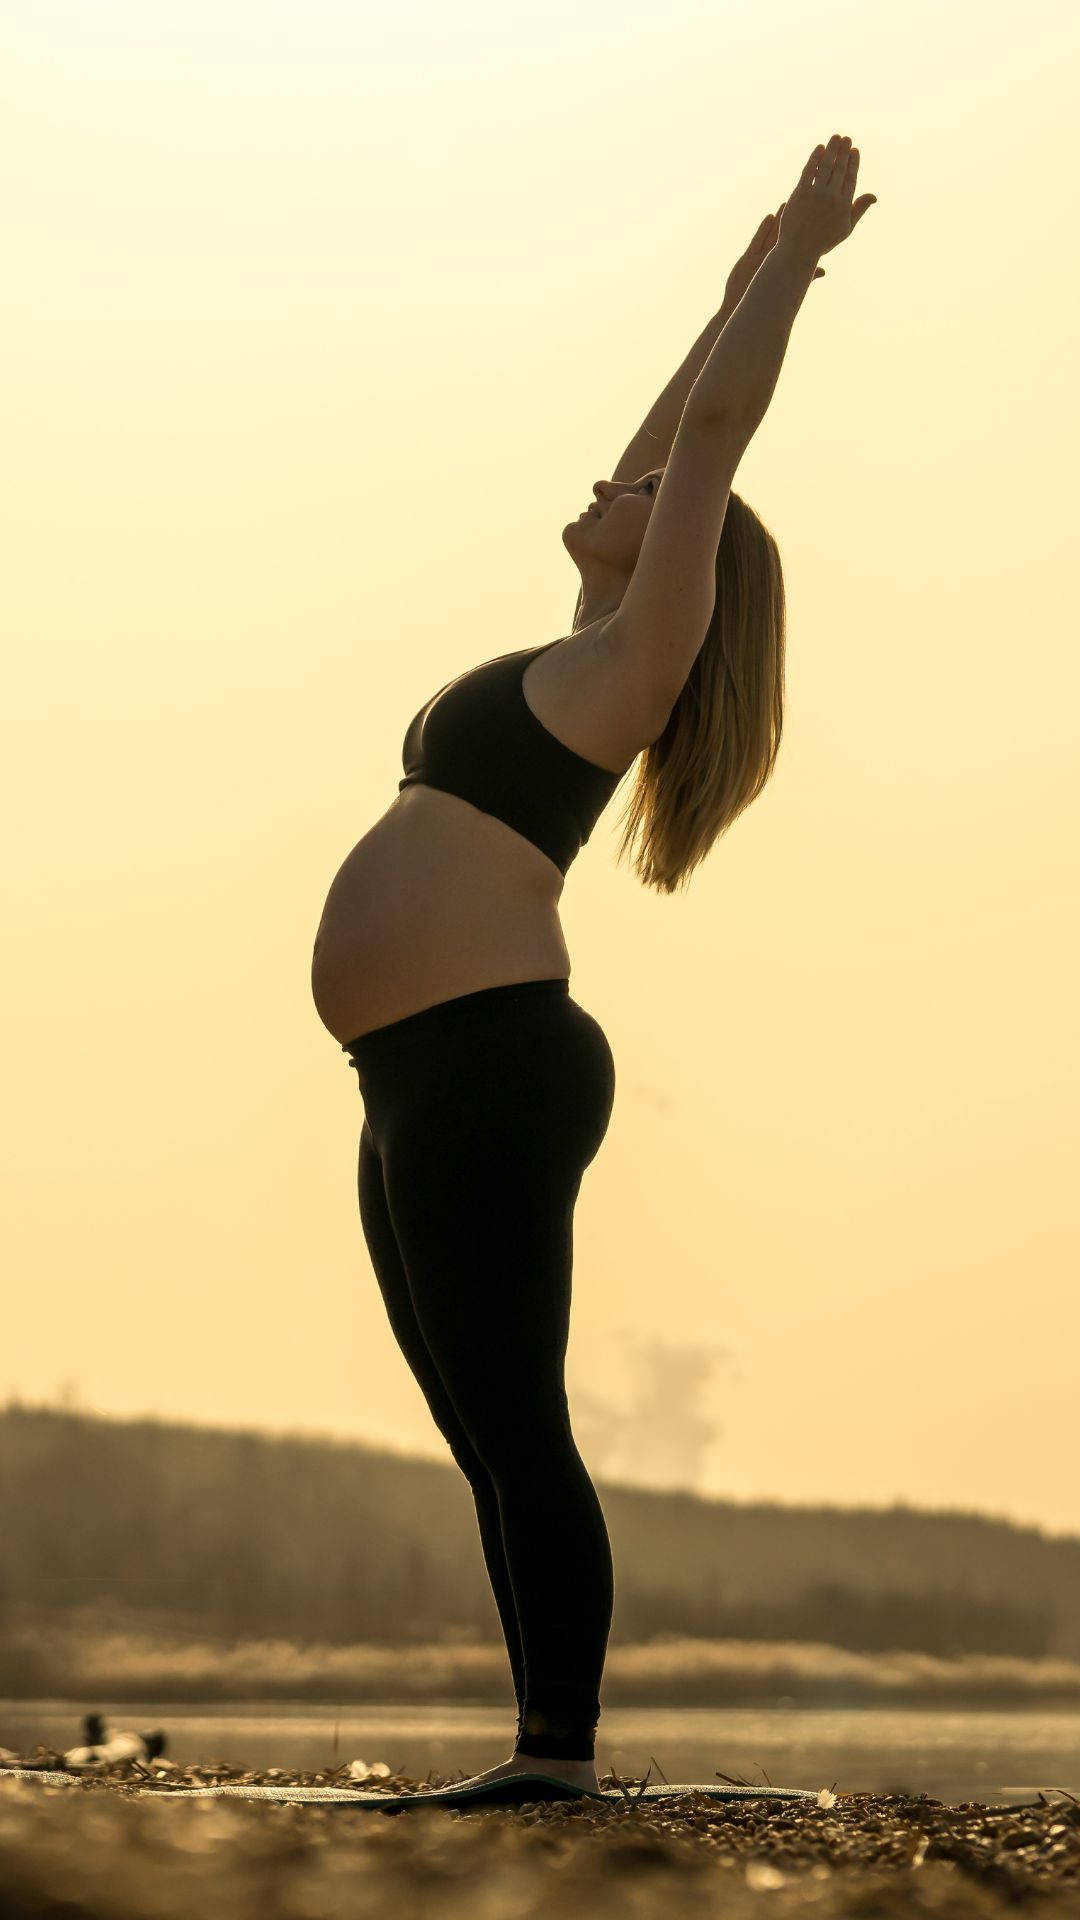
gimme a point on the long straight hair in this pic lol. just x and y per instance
(719, 745)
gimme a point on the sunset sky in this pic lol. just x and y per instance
(320, 324)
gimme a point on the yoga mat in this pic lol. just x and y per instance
(517, 1791)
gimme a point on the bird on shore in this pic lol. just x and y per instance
(105, 1745)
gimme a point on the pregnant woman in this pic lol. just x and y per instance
(441, 969)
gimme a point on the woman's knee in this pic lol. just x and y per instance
(525, 1437)
(465, 1455)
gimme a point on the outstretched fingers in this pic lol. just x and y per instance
(834, 167)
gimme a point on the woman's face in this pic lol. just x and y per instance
(612, 529)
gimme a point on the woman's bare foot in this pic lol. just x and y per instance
(577, 1773)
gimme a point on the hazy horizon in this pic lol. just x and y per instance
(320, 327)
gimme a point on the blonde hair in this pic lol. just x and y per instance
(721, 739)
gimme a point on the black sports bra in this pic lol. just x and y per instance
(479, 738)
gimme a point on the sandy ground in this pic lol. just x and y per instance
(98, 1849)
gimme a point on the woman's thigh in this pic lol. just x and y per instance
(393, 1284)
(482, 1171)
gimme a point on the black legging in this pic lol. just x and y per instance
(481, 1115)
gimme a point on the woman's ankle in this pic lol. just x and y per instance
(547, 1739)
(580, 1773)
(572, 1748)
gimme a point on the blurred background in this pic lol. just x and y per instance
(320, 324)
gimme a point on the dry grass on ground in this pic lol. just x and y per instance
(98, 1850)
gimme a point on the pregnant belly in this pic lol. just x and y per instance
(437, 900)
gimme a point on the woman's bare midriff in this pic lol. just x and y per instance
(441, 899)
(437, 900)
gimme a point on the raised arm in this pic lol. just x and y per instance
(653, 440)
(657, 631)
(737, 381)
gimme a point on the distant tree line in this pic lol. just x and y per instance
(242, 1535)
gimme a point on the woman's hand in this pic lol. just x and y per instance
(820, 212)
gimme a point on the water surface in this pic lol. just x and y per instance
(953, 1756)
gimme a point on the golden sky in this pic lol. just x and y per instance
(320, 323)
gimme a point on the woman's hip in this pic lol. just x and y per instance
(522, 1065)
